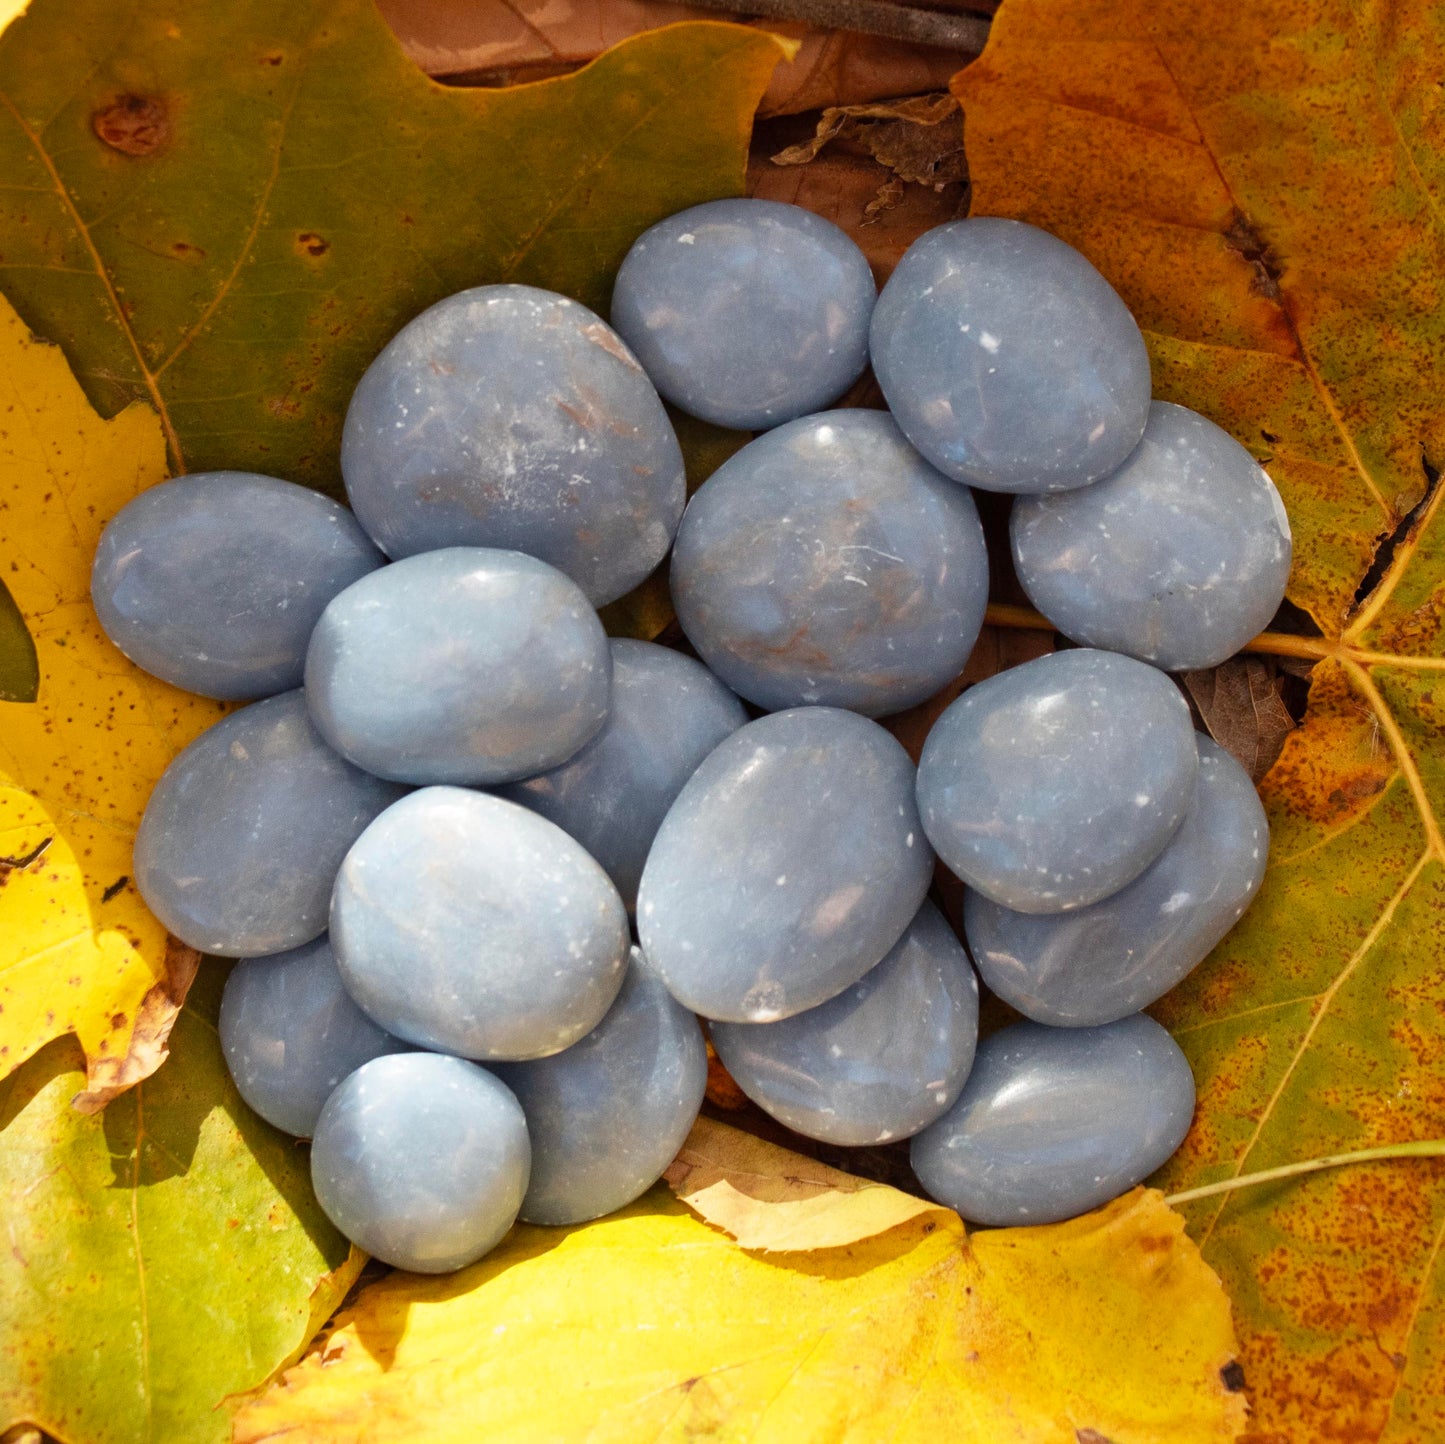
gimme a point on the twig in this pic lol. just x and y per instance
(964, 33)
(1424, 1148)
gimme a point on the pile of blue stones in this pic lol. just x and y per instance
(486, 869)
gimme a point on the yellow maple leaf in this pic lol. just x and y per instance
(652, 1324)
(79, 951)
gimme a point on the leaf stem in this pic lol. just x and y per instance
(1422, 1148)
(1274, 644)
(964, 33)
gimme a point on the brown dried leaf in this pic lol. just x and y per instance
(908, 136)
(508, 41)
(771, 1199)
(107, 1077)
(844, 189)
(1242, 705)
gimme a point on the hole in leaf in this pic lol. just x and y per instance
(1385, 552)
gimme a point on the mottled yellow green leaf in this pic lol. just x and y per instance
(1266, 185)
(227, 210)
(79, 952)
(651, 1325)
(159, 1257)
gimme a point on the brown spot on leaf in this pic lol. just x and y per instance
(1232, 1376)
(184, 251)
(115, 888)
(312, 244)
(273, 57)
(1091, 1436)
(1243, 237)
(133, 124)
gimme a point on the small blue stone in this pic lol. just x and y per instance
(746, 313)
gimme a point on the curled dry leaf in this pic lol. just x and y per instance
(1106, 1327)
(504, 42)
(771, 1199)
(919, 138)
(1262, 184)
(79, 952)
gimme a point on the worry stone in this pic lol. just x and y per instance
(291, 1033)
(1179, 557)
(466, 665)
(213, 581)
(1052, 785)
(1008, 360)
(1055, 1121)
(827, 562)
(421, 1160)
(1113, 957)
(608, 1114)
(790, 863)
(668, 712)
(879, 1061)
(746, 313)
(467, 924)
(244, 832)
(515, 418)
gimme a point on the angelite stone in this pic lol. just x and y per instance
(511, 417)
(244, 832)
(788, 866)
(1008, 360)
(668, 712)
(608, 1114)
(1052, 785)
(213, 581)
(879, 1061)
(1179, 557)
(421, 1160)
(746, 313)
(1117, 955)
(1056, 1121)
(827, 562)
(466, 665)
(291, 1033)
(469, 925)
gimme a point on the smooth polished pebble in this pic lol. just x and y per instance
(668, 712)
(244, 832)
(1056, 1121)
(790, 863)
(1179, 557)
(608, 1114)
(511, 417)
(466, 665)
(746, 313)
(213, 581)
(291, 1033)
(1052, 785)
(467, 924)
(828, 563)
(1117, 955)
(1008, 360)
(421, 1160)
(879, 1061)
